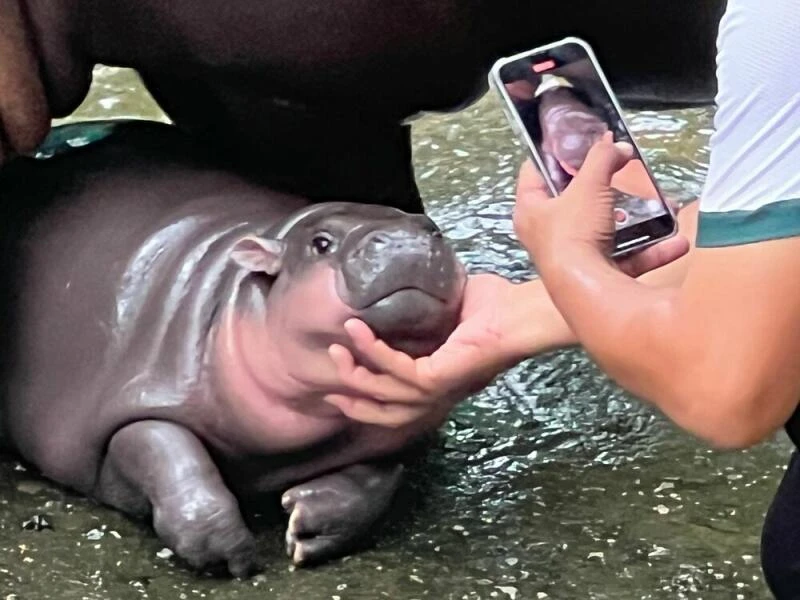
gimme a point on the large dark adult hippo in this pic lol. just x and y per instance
(313, 94)
(165, 334)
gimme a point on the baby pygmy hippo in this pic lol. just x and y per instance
(166, 326)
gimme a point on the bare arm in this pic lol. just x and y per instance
(711, 340)
(502, 324)
(719, 354)
(535, 324)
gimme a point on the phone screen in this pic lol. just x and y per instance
(564, 107)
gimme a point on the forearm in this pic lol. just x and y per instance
(537, 326)
(627, 326)
(656, 347)
(711, 353)
(674, 273)
(534, 325)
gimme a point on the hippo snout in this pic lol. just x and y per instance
(405, 281)
(410, 254)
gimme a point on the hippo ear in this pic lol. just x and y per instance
(259, 254)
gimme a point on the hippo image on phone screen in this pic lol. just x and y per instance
(165, 327)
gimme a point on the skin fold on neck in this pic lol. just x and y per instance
(272, 371)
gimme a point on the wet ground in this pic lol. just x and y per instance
(552, 483)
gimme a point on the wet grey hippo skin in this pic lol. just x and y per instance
(167, 326)
(312, 94)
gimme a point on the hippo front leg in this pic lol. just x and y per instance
(162, 469)
(331, 515)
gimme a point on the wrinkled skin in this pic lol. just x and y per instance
(312, 95)
(166, 327)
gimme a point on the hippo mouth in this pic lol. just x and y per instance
(413, 320)
(414, 294)
(406, 301)
(404, 282)
(412, 280)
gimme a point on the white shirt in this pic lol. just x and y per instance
(752, 192)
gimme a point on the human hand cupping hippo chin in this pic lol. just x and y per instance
(501, 323)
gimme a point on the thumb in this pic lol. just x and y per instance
(603, 160)
(530, 183)
(656, 256)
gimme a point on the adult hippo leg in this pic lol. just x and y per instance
(24, 114)
(159, 468)
(331, 515)
(320, 152)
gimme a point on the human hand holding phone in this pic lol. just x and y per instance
(571, 108)
(580, 221)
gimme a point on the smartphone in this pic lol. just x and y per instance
(559, 103)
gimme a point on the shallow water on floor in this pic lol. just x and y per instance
(552, 483)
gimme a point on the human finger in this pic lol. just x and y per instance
(656, 256)
(603, 160)
(371, 412)
(379, 353)
(530, 183)
(380, 387)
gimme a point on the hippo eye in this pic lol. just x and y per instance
(322, 243)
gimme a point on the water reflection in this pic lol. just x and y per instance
(552, 483)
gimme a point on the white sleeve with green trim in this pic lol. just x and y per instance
(752, 192)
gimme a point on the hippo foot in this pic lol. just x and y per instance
(310, 536)
(166, 466)
(330, 516)
(208, 532)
